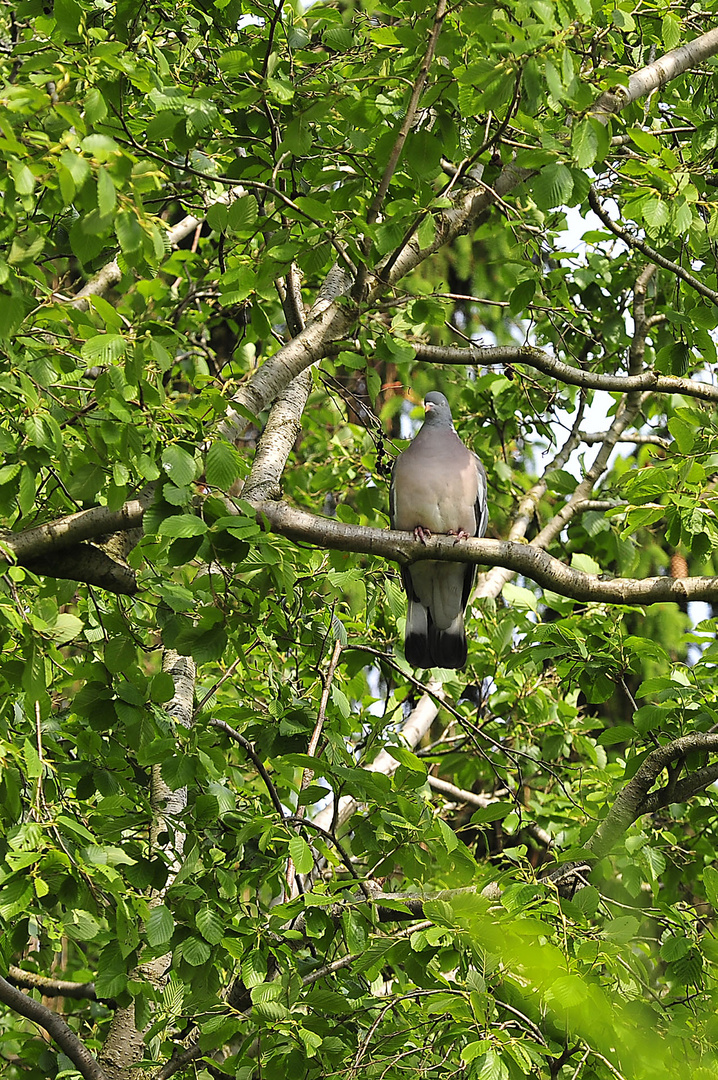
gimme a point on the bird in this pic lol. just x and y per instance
(438, 485)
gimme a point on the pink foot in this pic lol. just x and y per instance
(422, 534)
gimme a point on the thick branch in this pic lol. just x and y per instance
(634, 800)
(55, 1026)
(541, 361)
(86, 563)
(29, 980)
(525, 559)
(658, 73)
(72, 530)
(278, 439)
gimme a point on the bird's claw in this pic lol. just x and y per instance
(460, 535)
(422, 534)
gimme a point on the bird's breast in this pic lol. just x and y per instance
(439, 493)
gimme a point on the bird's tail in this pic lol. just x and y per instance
(416, 641)
(448, 647)
(426, 646)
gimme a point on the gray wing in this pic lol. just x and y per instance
(481, 507)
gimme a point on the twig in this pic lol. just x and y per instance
(249, 750)
(640, 245)
(307, 774)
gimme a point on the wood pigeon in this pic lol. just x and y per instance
(437, 486)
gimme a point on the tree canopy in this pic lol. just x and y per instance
(240, 836)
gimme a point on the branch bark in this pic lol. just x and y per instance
(541, 361)
(55, 1026)
(634, 800)
(29, 980)
(658, 73)
(516, 558)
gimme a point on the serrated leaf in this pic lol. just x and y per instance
(222, 467)
(210, 925)
(106, 194)
(182, 525)
(195, 951)
(710, 880)
(9, 472)
(179, 465)
(242, 213)
(449, 837)
(103, 348)
(683, 433)
(519, 597)
(254, 968)
(675, 947)
(301, 854)
(655, 213)
(129, 231)
(440, 912)
(405, 757)
(584, 143)
(580, 561)
(160, 926)
(553, 186)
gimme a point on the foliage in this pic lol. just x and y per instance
(221, 167)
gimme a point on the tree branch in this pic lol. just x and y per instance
(657, 73)
(634, 801)
(29, 980)
(518, 558)
(640, 245)
(55, 1026)
(541, 361)
(376, 203)
(277, 440)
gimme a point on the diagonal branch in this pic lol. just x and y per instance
(658, 73)
(55, 1026)
(376, 203)
(634, 800)
(641, 245)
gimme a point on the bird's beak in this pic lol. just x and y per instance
(428, 406)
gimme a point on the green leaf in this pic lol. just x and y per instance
(683, 433)
(254, 968)
(106, 194)
(242, 214)
(160, 926)
(210, 925)
(223, 464)
(519, 597)
(178, 465)
(553, 186)
(103, 348)
(584, 143)
(182, 525)
(195, 951)
(407, 759)
(129, 231)
(710, 880)
(301, 854)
